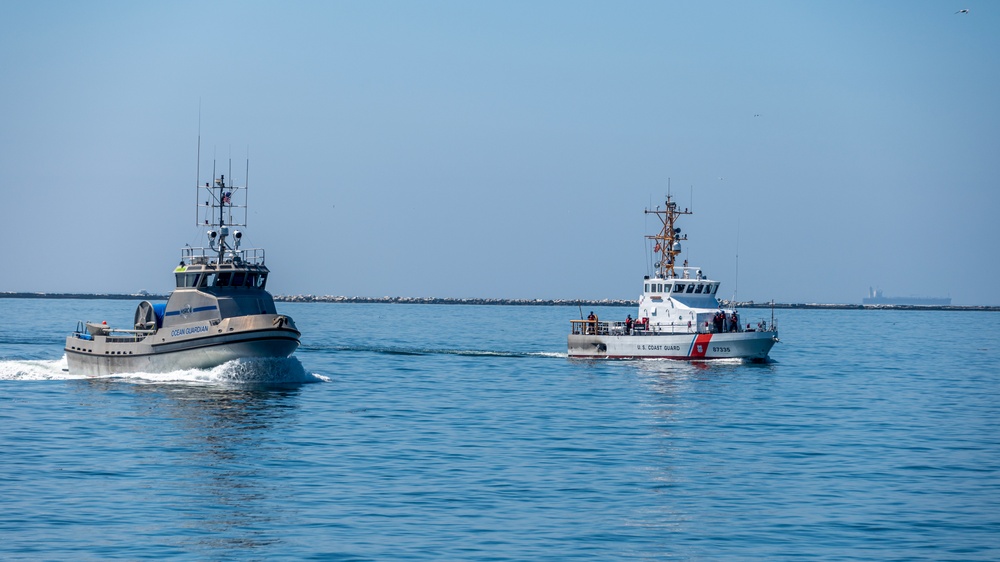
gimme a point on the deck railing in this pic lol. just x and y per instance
(87, 331)
(599, 328)
(593, 327)
(614, 328)
(248, 256)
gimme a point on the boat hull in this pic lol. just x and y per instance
(736, 345)
(193, 353)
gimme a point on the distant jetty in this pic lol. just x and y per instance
(447, 300)
(604, 302)
(142, 295)
(820, 306)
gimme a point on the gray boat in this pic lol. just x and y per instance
(219, 311)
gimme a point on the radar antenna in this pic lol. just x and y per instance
(668, 240)
(221, 206)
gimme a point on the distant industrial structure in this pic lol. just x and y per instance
(875, 296)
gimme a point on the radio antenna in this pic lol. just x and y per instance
(197, 174)
(736, 285)
(246, 189)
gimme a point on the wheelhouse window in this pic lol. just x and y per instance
(647, 288)
(239, 277)
(679, 288)
(715, 288)
(690, 288)
(698, 288)
(255, 280)
(187, 279)
(222, 279)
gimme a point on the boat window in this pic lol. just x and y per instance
(207, 280)
(222, 280)
(262, 281)
(698, 288)
(647, 288)
(690, 288)
(715, 288)
(186, 279)
(238, 278)
(679, 288)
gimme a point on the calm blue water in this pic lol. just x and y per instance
(464, 433)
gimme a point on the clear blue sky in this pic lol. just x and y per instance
(508, 149)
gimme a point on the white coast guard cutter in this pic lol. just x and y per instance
(679, 315)
(219, 310)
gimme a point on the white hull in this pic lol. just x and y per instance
(694, 346)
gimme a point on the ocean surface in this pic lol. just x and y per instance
(436, 432)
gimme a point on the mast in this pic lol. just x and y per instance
(220, 210)
(668, 240)
(221, 184)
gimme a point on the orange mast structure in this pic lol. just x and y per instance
(668, 240)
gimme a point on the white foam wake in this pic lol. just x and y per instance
(256, 371)
(39, 370)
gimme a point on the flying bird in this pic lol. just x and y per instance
(963, 11)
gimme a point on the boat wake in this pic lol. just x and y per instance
(39, 370)
(263, 372)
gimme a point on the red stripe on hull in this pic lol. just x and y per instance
(700, 346)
